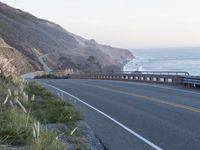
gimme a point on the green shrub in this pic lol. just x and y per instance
(15, 127)
(39, 105)
(48, 108)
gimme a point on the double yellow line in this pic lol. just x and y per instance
(181, 106)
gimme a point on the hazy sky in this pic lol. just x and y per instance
(123, 23)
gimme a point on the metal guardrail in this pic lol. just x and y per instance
(191, 81)
(180, 73)
(166, 73)
(151, 77)
(165, 77)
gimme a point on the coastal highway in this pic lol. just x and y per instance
(135, 116)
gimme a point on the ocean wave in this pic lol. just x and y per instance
(148, 62)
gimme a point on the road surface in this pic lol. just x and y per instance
(136, 116)
(45, 66)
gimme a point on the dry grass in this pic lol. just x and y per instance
(24, 105)
(47, 141)
(6, 69)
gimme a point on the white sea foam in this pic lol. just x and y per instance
(166, 60)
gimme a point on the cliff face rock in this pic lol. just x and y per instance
(31, 37)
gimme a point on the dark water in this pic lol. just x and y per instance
(169, 59)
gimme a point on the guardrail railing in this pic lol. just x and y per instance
(144, 76)
(191, 81)
(165, 77)
(180, 73)
(166, 73)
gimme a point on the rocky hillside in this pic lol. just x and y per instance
(27, 37)
(17, 59)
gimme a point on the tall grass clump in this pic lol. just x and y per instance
(26, 108)
(48, 108)
(47, 140)
(15, 127)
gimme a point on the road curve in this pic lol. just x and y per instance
(45, 66)
(136, 116)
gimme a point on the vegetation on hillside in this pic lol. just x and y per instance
(19, 62)
(26, 108)
(33, 37)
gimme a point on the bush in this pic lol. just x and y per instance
(22, 104)
(15, 127)
(48, 108)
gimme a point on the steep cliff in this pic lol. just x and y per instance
(30, 37)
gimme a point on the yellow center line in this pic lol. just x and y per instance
(193, 109)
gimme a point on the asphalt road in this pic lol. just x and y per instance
(136, 116)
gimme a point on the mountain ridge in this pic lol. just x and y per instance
(33, 37)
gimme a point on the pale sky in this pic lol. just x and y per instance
(123, 23)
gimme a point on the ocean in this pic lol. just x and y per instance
(166, 59)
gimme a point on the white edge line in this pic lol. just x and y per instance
(107, 116)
